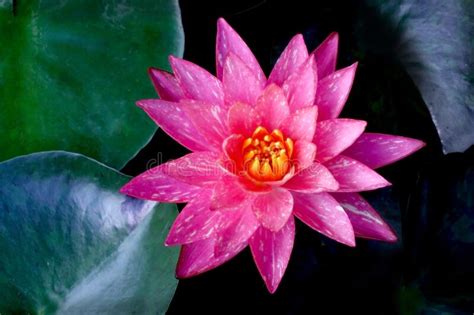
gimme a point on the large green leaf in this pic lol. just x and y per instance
(433, 39)
(71, 71)
(69, 241)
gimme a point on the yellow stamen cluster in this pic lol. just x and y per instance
(267, 156)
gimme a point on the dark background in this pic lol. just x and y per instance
(430, 270)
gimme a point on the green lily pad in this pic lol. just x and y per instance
(433, 41)
(71, 243)
(71, 71)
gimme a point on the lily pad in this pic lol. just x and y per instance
(72, 244)
(71, 71)
(433, 41)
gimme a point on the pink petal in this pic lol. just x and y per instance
(243, 119)
(232, 147)
(195, 222)
(324, 214)
(301, 124)
(366, 221)
(313, 179)
(229, 41)
(228, 193)
(274, 208)
(198, 257)
(170, 117)
(240, 83)
(304, 153)
(326, 55)
(210, 120)
(198, 168)
(354, 176)
(236, 231)
(197, 83)
(290, 60)
(271, 252)
(300, 87)
(335, 135)
(252, 186)
(272, 106)
(376, 150)
(166, 85)
(333, 92)
(154, 185)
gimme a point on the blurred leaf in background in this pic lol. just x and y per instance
(71, 244)
(71, 71)
(433, 40)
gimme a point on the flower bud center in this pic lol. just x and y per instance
(267, 156)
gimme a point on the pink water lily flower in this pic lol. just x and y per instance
(264, 150)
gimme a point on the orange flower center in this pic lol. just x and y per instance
(267, 156)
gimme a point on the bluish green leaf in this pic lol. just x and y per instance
(70, 242)
(433, 39)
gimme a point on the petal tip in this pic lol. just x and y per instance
(169, 241)
(299, 37)
(145, 104)
(153, 70)
(221, 22)
(351, 242)
(174, 61)
(419, 144)
(125, 189)
(335, 186)
(334, 36)
(141, 104)
(271, 287)
(392, 237)
(179, 274)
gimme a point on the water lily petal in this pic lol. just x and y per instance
(197, 83)
(197, 168)
(304, 153)
(166, 85)
(354, 176)
(335, 135)
(232, 160)
(376, 150)
(229, 41)
(271, 252)
(333, 92)
(313, 179)
(301, 125)
(240, 83)
(300, 87)
(236, 231)
(195, 222)
(324, 214)
(210, 120)
(326, 55)
(228, 193)
(198, 257)
(172, 119)
(272, 107)
(243, 119)
(157, 186)
(274, 208)
(290, 60)
(367, 223)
